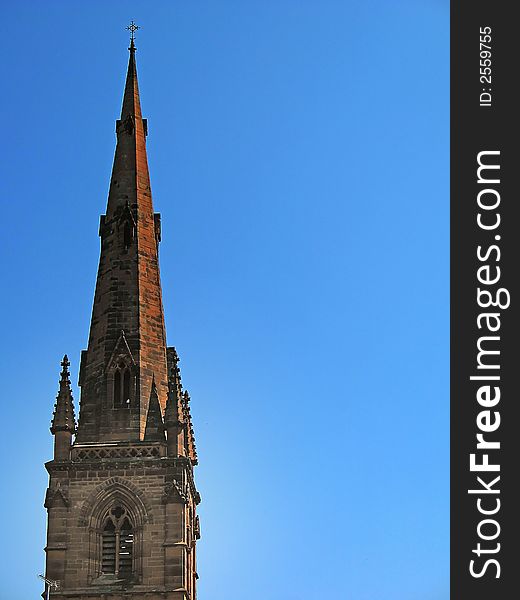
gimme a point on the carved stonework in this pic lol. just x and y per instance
(129, 125)
(121, 352)
(115, 488)
(56, 495)
(196, 528)
(109, 453)
(173, 491)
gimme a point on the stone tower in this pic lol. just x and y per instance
(121, 500)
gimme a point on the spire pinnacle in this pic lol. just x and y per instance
(174, 418)
(131, 103)
(190, 436)
(63, 418)
(173, 414)
(65, 364)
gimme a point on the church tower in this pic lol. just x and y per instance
(121, 500)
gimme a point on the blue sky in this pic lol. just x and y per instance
(299, 157)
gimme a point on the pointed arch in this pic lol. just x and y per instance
(126, 226)
(121, 351)
(115, 514)
(121, 375)
(128, 235)
(116, 488)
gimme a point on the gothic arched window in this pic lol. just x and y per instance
(117, 388)
(126, 387)
(128, 235)
(118, 544)
(122, 386)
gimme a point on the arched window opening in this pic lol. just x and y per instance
(126, 388)
(118, 544)
(127, 235)
(122, 387)
(117, 388)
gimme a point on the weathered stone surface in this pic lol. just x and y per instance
(127, 328)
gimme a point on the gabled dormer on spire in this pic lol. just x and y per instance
(63, 425)
(128, 293)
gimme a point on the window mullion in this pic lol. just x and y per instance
(118, 535)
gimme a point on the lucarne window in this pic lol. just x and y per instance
(122, 387)
(126, 387)
(127, 235)
(117, 388)
(118, 544)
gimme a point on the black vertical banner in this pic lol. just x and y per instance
(485, 269)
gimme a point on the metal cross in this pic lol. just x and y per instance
(132, 28)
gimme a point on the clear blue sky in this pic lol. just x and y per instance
(299, 157)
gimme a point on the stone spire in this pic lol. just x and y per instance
(127, 342)
(63, 424)
(121, 500)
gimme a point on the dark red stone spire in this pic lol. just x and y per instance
(127, 342)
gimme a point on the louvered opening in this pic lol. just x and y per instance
(117, 544)
(108, 561)
(126, 544)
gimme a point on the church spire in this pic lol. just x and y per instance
(127, 342)
(63, 424)
(122, 501)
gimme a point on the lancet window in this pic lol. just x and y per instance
(117, 543)
(123, 379)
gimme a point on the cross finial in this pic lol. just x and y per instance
(132, 28)
(65, 363)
